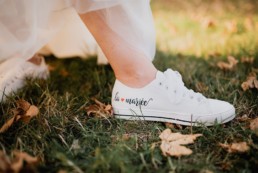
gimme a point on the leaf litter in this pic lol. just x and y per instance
(24, 112)
(251, 82)
(246, 59)
(239, 147)
(100, 110)
(254, 125)
(16, 163)
(172, 143)
(228, 65)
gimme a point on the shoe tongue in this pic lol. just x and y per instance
(159, 77)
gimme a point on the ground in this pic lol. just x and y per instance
(192, 37)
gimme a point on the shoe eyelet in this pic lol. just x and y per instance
(167, 87)
(160, 83)
(174, 91)
(191, 97)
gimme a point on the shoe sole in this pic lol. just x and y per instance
(188, 120)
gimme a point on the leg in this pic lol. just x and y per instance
(165, 98)
(130, 66)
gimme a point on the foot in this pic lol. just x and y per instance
(14, 71)
(166, 99)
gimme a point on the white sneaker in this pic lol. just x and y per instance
(166, 99)
(14, 71)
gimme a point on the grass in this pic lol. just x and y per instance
(102, 145)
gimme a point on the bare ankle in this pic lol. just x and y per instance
(137, 79)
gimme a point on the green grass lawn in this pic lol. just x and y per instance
(191, 38)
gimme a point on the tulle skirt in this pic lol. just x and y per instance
(53, 26)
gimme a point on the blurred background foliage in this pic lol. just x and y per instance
(206, 27)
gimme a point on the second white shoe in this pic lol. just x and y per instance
(166, 99)
(14, 71)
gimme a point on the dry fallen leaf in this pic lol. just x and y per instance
(254, 125)
(7, 125)
(19, 158)
(251, 82)
(243, 118)
(100, 110)
(24, 111)
(228, 65)
(171, 143)
(16, 163)
(246, 59)
(240, 147)
(4, 162)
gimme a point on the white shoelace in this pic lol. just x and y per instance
(175, 84)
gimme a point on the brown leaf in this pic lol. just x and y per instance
(7, 125)
(228, 65)
(22, 104)
(31, 112)
(240, 147)
(254, 125)
(24, 111)
(169, 149)
(249, 60)
(251, 82)
(4, 162)
(108, 108)
(99, 110)
(16, 164)
(243, 118)
(171, 143)
(19, 158)
(256, 84)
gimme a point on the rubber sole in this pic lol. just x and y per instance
(188, 120)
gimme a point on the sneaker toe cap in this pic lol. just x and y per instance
(222, 109)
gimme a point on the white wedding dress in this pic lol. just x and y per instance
(53, 26)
